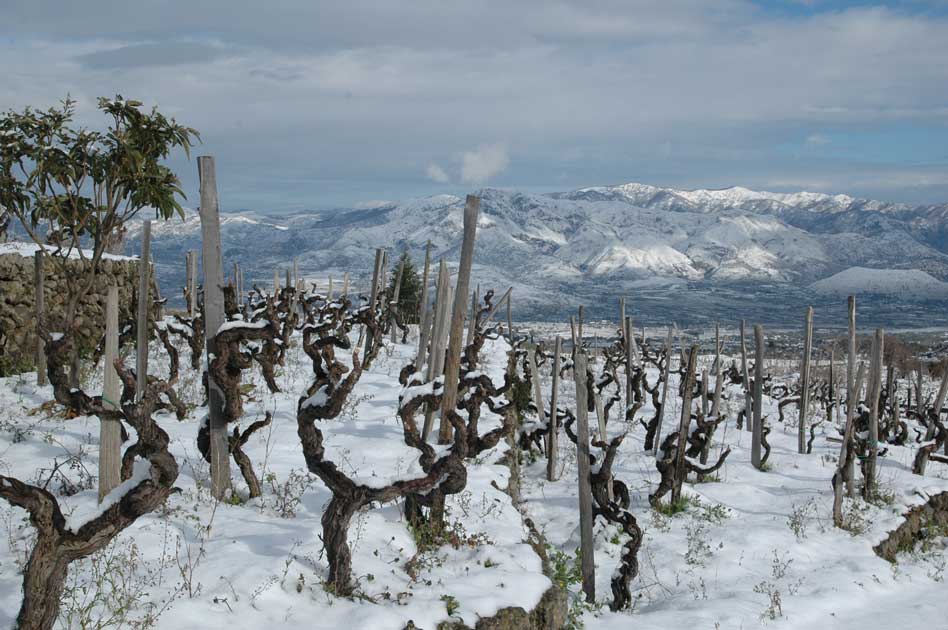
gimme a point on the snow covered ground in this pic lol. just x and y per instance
(748, 541)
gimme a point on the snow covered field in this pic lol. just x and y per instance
(752, 548)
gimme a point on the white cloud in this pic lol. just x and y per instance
(436, 174)
(483, 163)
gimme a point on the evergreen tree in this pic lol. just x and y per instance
(409, 296)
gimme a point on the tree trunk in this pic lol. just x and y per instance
(335, 521)
(43, 583)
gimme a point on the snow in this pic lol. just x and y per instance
(257, 568)
(89, 511)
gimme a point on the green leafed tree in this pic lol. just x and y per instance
(76, 189)
(409, 295)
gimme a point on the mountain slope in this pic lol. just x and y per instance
(561, 249)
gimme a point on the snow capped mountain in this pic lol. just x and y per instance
(574, 246)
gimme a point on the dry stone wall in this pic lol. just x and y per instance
(17, 303)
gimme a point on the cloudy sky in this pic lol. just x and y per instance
(318, 103)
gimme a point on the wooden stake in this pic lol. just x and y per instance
(214, 318)
(684, 424)
(453, 358)
(665, 373)
(587, 560)
(394, 305)
(436, 354)
(805, 381)
(748, 395)
(551, 446)
(110, 429)
(875, 391)
(852, 395)
(39, 297)
(758, 395)
(144, 297)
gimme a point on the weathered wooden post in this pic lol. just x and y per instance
(705, 389)
(551, 446)
(453, 357)
(875, 391)
(110, 429)
(424, 305)
(144, 298)
(535, 379)
(854, 384)
(852, 392)
(719, 373)
(805, 381)
(193, 286)
(296, 273)
(393, 320)
(470, 327)
(214, 319)
(373, 298)
(661, 412)
(936, 412)
(758, 395)
(438, 327)
(587, 560)
(745, 372)
(684, 424)
(39, 297)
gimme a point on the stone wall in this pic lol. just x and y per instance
(17, 304)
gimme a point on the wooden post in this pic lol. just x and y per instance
(875, 391)
(110, 429)
(424, 305)
(394, 305)
(373, 298)
(630, 362)
(39, 297)
(535, 377)
(719, 373)
(453, 357)
(684, 424)
(852, 396)
(144, 298)
(748, 395)
(805, 381)
(345, 283)
(470, 327)
(936, 411)
(705, 389)
(296, 273)
(855, 383)
(214, 318)
(758, 394)
(436, 354)
(665, 372)
(424, 335)
(587, 560)
(551, 452)
(192, 301)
